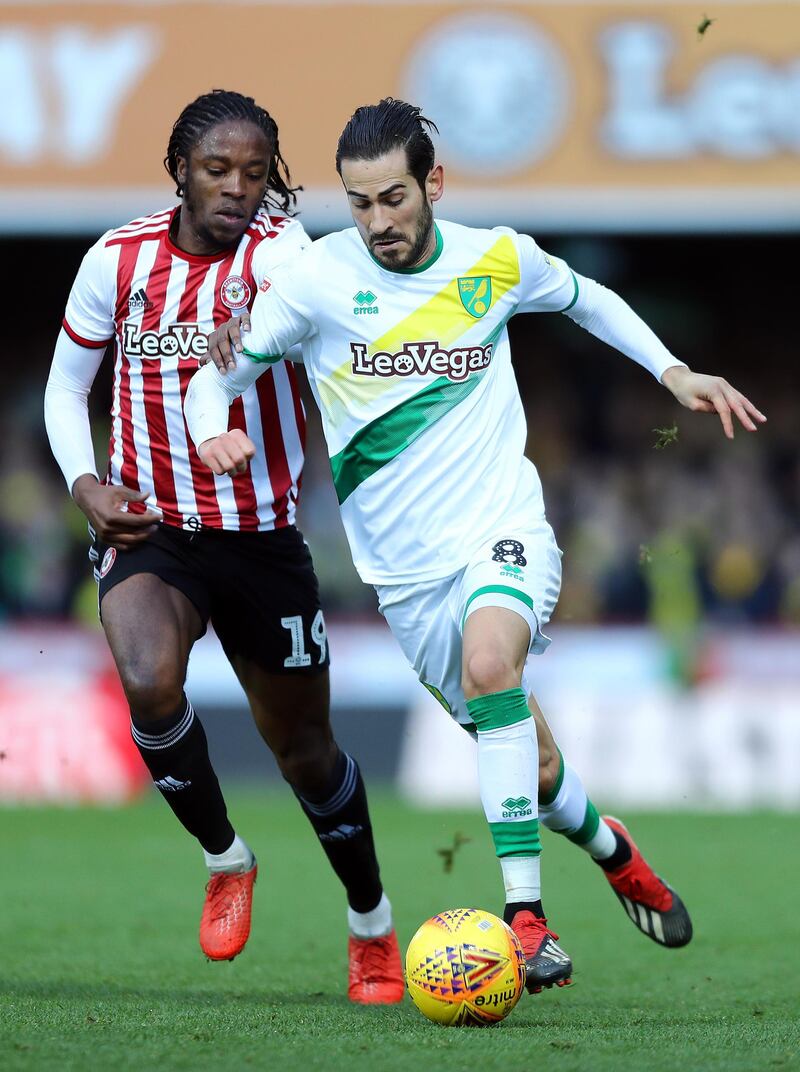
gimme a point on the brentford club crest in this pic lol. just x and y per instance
(235, 292)
(108, 561)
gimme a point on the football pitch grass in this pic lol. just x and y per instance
(101, 967)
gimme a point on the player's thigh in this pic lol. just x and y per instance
(153, 608)
(151, 627)
(506, 594)
(265, 604)
(520, 573)
(267, 614)
(421, 619)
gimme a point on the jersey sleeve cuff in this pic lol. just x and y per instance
(262, 359)
(93, 344)
(575, 293)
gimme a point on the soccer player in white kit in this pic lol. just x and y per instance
(402, 321)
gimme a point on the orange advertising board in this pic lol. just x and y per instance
(579, 115)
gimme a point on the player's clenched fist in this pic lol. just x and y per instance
(225, 342)
(227, 453)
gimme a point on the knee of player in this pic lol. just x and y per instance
(307, 762)
(153, 692)
(485, 672)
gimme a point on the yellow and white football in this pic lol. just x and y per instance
(465, 967)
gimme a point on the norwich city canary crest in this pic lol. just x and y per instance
(475, 292)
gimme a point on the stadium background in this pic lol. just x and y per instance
(656, 159)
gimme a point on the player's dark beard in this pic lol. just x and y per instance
(424, 228)
(421, 237)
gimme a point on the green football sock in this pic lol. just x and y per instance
(508, 765)
(566, 809)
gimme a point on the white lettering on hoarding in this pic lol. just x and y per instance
(89, 75)
(738, 106)
(23, 127)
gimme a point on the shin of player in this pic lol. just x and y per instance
(496, 641)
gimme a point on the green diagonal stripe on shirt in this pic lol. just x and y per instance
(378, 442)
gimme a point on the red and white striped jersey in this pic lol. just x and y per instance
(156, 304)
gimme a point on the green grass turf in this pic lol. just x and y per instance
(100, 968)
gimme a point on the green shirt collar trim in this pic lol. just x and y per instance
(418, 267)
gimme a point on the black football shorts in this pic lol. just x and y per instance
(258, 589)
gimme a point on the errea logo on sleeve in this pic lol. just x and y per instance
(365, 302)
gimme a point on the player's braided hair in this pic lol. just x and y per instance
(216, 107)
(376, 129)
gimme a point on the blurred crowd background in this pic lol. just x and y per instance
(659, 516)
(653, 148)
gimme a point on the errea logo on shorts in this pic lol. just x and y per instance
(420, 358)
(185, 341)
(512, 573)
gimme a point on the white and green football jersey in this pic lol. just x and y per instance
(412, 373)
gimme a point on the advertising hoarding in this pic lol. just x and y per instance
(570, 116)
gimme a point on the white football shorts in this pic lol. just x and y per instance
(520, 570)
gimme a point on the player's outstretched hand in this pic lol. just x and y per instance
(227, 453)
(106, 507)
(225, 342)
(712, 394)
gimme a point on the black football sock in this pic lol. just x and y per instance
(620, 856)
(175, 751)
(513, 907)
(340, 818)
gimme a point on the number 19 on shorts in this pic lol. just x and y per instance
(300, 657)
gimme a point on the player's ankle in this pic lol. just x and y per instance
(373, 924)
(237, 857)
(512, 907)
(621, 855)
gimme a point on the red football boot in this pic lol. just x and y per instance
(546, 963)
(376, 972)
(652, 905)
(225, 923)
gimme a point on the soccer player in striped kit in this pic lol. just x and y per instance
(175, 546)
(444, 513)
